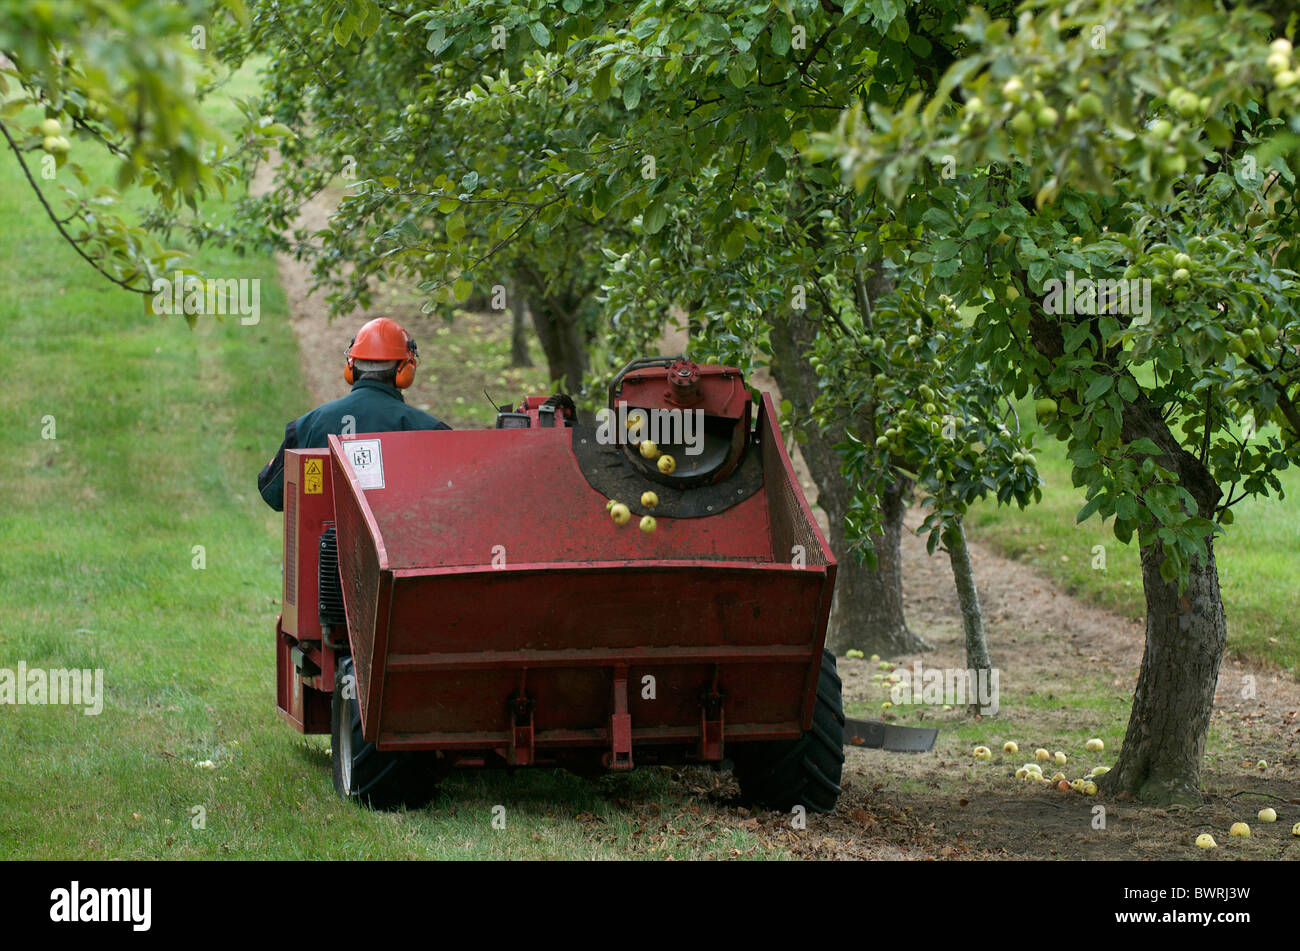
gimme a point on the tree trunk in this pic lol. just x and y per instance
(972, 619)
(561, 338)
(868, 609)
(519, 320)
(1160, 761)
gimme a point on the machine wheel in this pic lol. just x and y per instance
(805, 772)
(365, 774)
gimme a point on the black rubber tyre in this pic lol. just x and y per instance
(367, 775)
(804, 772)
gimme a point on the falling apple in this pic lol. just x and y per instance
(620, 513)
(1206, 841)
(666, 464)
(649, 450)
(610, 503)
(648, 524)
(650, 500)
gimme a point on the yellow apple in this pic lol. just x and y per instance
(1094, 746)
(982, 752)
(666, 463)
(1042, 755)
(1059, 758)
(648, 524)
(649, 450)
(1010, 747)
(620, 513)
(1239, 830)
(650, 500)
(1268, 815)
(1206, 841)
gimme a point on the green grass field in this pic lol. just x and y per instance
(1258, 558)
(160, 431)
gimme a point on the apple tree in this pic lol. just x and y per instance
(121, 79)
(1123, 219)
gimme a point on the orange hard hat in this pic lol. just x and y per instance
(380, 339)
(384, 339)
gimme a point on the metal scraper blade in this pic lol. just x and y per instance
(878, 735)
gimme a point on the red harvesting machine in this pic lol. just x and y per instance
(465, 599)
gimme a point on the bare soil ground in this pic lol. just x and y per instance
(1068, 672)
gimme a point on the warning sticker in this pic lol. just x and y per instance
(313, 482)
(367, 461)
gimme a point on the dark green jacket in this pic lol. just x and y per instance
(373, 407)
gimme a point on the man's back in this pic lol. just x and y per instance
(372, 407)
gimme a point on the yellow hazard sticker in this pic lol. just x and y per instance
(313, 482)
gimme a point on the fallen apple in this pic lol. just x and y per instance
(1063, 785)
(1206, 841)
(1268, 815)
(1089, 788)
(648, 524)
(854, 654)
(1058, 777)
(1059, 758)
(1022, 773)
(1094, 746)
(620, 513)
(610, 503)
(982, 752)
(650, 500)
(1262, 764)
(1239, 830)
(1042, 755)
(1010, 747)
(1295, 829)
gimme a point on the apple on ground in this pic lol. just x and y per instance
(1206, 841)
(982, 752)
(1094, 746)
(1268, 814)
(1010, 747)
(1239, 830)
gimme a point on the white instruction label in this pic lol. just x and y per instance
(367, 461)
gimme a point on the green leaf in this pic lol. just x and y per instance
(654, 217)
(1099, 387)
(541, 35)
